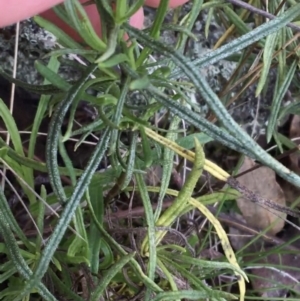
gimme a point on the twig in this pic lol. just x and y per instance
(256, 198)
(259, 12)
(224, 218)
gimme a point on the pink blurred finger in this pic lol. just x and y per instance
(12, 11)
(136, 20)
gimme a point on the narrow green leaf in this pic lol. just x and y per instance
(188, 142)
(214, 102)
(121, 8)
(67, 214)
(63, 287)
(192, 118)
(10, 124)
(147, 153)
(244, 41)
(155, 29)
(41, 110)
(39, 89)
(113, 61)
(54, 134)
(61, 52)
(134, 264)
(61, 36)
(79, 245)
(14, 252)
(130, 160)
(236, 20)
(269, 50)
(83, 25)
(181, 201)
(208, 21)
(107, 278)
(3, 150)
(130, 11)
(168, 158)
(8, 271)
(189, 295)
(52, 77)
(94, 198)
(11, 127)
(99, 178)
(282, 54)
(278, 141)
(149, 249)
(140, 84)
(292, 108)
(204, 264)
(5, 209)
(279, 94)
(119, 114)
(40, 218)
(190, 276)
(111, 46)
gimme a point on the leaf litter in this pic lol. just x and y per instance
(291, 192)
(275, 274)
(263, 182)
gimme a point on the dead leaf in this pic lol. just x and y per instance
(274, 276)
(292, 192)
(261, 181)
(294, 133)
(238, 238)
(153, 175)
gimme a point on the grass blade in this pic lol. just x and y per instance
(269, 49)
(278, 97)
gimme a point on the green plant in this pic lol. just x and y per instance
(116, 68)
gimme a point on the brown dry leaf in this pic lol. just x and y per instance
(153, 175)
(295, 132)
(290, 191)
(263, 182)
(238, 238)
(274, 277)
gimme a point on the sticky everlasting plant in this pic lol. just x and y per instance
(83, 258)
